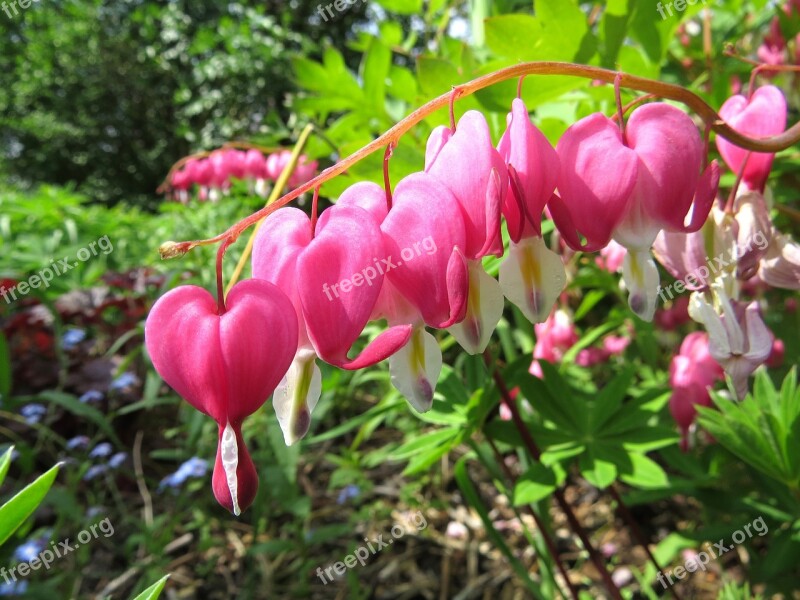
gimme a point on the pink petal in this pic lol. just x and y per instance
(465, 165)
(435, 280)
(591, 202)
(339, 280)
(763, 115)
(536, 163)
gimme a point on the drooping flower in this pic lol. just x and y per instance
(780, 266)
(739, 340)
(762, 115)
(467, 164)
(334, 280)
(532, 276)
(226, 366)
(642, 198)
(427, 281)
(553, 338)
(692, 371)
(612, 257)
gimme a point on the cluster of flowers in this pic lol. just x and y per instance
(631, 182)
(773, 50)
(213, 175)
(737, 338)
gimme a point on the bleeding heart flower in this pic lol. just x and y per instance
(225, 366)
(335, 279)
(644, 196)
(692, 371)
(468, 165)
(591, 201)
(429, 286)
(780, 266)
(532, 276)
(553, 338)
(255, 165)
(763, 115)
(739, 339)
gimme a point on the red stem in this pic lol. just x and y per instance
(387, 185)
(534, 451)
(548, 540)
(658, 88)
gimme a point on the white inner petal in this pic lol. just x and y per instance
(229, 450)
(484, 309)
(296, 396)
(415, 369)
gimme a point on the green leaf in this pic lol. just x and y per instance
(423, 442)
(646, 473)
(473, 499)
(600, 472)
(14, 512)
(5, 463)
(537, 483)
(402, 7)
(154, 591)
(374, 73)
(610, 398)
(513, 36)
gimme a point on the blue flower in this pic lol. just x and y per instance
(116, 461)
(91, 397)
(29, 550)
(33, 413)
(101, 450)
(125, 380)
(95, 471)
(79, 442)
(348, 492)
(194, 467)
(71, 338)
(13, 588)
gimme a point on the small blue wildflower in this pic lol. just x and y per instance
(125, 380)
(13, 588)
(116, 461)
(192, 468)
(348, 492)
(95, 471)
(71, 338)
(95, 511)
(80, 442)
(30, 550)
(33, 413)
(91, 397)
(101, 450)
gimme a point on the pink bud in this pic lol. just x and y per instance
(763, 115)
(535, 173)
(255, 165)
